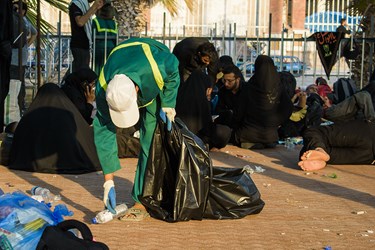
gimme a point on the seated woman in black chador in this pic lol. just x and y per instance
(194, 109)
(79, 87)
(198, 58)
(53, 137)
(265, 107)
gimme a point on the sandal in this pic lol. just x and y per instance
(134, 214)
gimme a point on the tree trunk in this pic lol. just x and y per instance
(356, 69)
(130, 16)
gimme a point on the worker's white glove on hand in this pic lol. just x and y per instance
(109, 197)
(170, 112)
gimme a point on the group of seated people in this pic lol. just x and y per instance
(248, 113)
(268, 108)
(217, 104)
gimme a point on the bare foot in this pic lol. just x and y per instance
(317, 154)
(312, 165)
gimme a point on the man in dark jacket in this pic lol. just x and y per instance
(343, 27)
(351, 142)
(229, 96)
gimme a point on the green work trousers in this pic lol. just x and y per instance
(148, 119)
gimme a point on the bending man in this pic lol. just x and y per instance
(139, 78)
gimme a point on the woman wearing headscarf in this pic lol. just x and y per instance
(53, 137)
(193, 106)
(265, 106)
(79, 87)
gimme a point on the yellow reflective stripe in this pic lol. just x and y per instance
(146, 104)
(102, 81)
(100, 29)
(154, 66)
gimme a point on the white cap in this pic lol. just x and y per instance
(122, 101)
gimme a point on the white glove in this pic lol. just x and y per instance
(170, 113)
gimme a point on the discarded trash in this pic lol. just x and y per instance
(9, 184)
(48, 197)
(243, 156)
(289, 143)
(327, 248)
(248, 169)
(266, 185)
(358, 212)
(38, 198)
(333, 175)
(370, 231)
(259, 169)
(326, 230)
(105, 215)
(340, 234)
(23, 220)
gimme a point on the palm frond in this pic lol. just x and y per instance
(59, 4)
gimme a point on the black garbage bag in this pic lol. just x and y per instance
(233, 195)
(177, 177)
(128, 146)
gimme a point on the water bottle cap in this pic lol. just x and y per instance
(33, 189)
(93, 220)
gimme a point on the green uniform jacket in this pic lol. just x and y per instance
(100, 26)
(103, 44)
(153, 68)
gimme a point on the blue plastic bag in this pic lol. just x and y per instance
(23, 220)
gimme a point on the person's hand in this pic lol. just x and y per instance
(167, 115)
(109, 197)
(98, 4)
(90, 94)
(170, 112)
(302, 99)
(208, 93)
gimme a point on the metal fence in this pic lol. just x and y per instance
(295, 54)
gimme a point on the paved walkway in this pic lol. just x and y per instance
(302, 211)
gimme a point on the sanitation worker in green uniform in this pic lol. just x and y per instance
(139, 81)
(105, 30)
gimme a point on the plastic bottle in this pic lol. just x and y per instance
(289, 144)
(48, 197)
(105, 215)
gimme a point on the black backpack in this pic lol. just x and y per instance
(19, 35)
(60, 238)
(342, 89)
